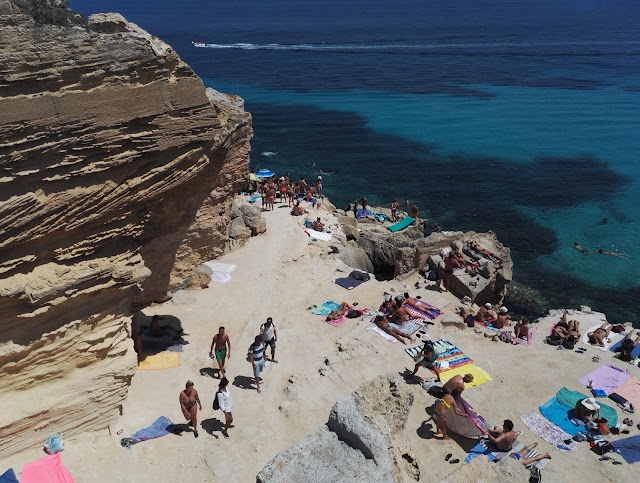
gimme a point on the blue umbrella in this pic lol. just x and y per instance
(265, 173)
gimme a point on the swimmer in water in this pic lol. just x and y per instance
(579, 248)
(613, 254)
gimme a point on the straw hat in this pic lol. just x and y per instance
(504, 310)
(590, 404)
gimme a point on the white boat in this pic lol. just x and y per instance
(199, 44)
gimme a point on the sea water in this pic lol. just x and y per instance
(519, 117)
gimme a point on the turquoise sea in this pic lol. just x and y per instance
(520, 117)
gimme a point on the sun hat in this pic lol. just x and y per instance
(320, 177)
(488, 305)
(590, 404)
(504, 310)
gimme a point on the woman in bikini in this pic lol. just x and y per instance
(188, 400)
(383, 324)
(339, 312)
(440, 412)
(521, 455)
(598, 336)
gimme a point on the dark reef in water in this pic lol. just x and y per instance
(461, 192)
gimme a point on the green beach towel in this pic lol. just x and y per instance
(401, 225)
(570, 398)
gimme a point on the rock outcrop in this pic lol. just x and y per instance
(357, 444)
(117, 171)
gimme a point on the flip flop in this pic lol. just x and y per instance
(616, 462)
(453, 462)
(605, 458)
(448, 457)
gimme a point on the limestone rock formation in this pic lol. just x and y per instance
(117, 171)
(357, 444)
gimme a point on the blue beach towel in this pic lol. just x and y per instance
(326, 308)
(401, 225)
(360, 213)
(160, 427)
(629, 448)
(617, 345)
(8, 477)
(560, 415)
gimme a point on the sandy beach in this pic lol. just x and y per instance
(281, 274)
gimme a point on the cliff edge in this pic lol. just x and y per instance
(117, 171)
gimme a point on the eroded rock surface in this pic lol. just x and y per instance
(117, 171)
(357, 444)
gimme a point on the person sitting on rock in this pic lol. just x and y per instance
(383, 324)
(486, 313)
(598, 336)
(521, 329)
(318, 225)
(627, 346)
(502, 320)
(298, 210)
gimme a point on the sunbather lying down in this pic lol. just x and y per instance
(521, 455)
(339, 312)
(598, 336)
(383, 324)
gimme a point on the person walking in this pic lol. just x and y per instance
(225, 403)
(221, 344)
(269, 337)
(255, 355)
(188, 400)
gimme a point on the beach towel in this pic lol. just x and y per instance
(409, 327)
(160, 427)
(336, 322)
(360, 213)
(8, 477)
(486, 326)
(628, 448)
(426, 312)
(570, 398)
(326, 308)
(635, 353)
(548, 431)
(161, 360)
(605, 377)
(471, 427)
(610, 341)
(221, 271)
(401, 225)
(486, 447)
(480, 376)
(449, 354)
(48, 469)
(318, 235)
(382, 333)
(559, 410)
(630, 390)
(348, 282)
(532, 333)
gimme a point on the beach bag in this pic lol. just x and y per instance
(551, 341)
(359, 275)
(535, 474)
(569, 344)
(617, 328)
(470, 320)
(602, 426)
(432, 275)
(602, 447)
(216, 403)
(507, 336)
(353, 314)
(54, 443)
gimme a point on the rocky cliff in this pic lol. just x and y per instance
(116, 174)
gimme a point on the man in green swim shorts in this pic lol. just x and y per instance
(222, 346)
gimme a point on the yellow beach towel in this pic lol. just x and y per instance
(480, 376)
(161, 360)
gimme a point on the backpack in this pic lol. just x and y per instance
(353, 314)
(470, 320)
(535, 474)
(601, 447)
(216, 403)
(432, 275)
(552, 341)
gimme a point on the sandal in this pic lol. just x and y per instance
(616, 462)
(448, 457)
(453, 462)
(605, 458)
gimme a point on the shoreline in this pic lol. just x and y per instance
(281, 274)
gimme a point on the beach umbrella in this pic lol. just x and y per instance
(265, 173)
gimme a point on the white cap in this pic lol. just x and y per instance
(488, 305)
(504, 310)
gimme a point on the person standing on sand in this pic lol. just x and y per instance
(457, 383)
(440, 413)
(394, 211)
(269, 337)
(188, 400)
(255, 355)
(219, 344)
(271, 196)
(225, 402)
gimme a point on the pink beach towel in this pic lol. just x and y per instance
(46, 470)
(630, 390)
(606, 377)
(336, 322)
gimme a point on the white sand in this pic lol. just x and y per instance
(280, 274)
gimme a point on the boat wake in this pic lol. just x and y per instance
(269, 154)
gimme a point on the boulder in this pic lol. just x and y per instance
(355, 445)
(349, 227)
(252, 216)
(239, 231)
(355, 257)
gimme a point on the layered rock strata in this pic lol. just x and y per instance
(116, 174)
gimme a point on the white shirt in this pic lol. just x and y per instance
(225, 401)
(268, 333)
